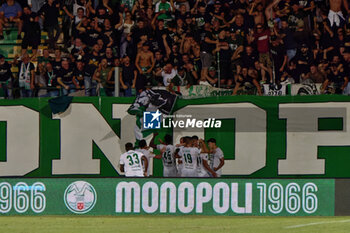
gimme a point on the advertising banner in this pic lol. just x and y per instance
(258, 197)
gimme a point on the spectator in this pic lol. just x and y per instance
(127, 78)
(145, 64)
(262, 39)
(65, 78)
(5, 76)
(279, 57)
(336, 81)
(244, 79)
(288, 40)
(314, 76)
(50, 13)
(163, 9)
(304, 59)
(10, 12)
(26, 76)
(31, 29)
(167, 73)
(51, 81)
(101, 75)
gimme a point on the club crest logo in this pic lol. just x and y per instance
(80, 197)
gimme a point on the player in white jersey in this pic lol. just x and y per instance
(177, 152)
(144, 149)
(189, 156)
(131, 162)
(168, 155)
(203, 168)
(216, 157)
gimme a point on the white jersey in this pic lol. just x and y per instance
(202, 172)
(179, 165)
(189, 157)
(168, 159)
(149, 156)
(215, 160)
(132, 163)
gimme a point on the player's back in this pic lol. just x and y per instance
(202, 172)
(132, 163)
(149, 155)
(168, 159)
(189, 157)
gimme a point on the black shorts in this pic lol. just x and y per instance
(30, 40)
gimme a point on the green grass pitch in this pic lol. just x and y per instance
(161, 224)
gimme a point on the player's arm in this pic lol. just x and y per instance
(159, 156)
(151, 144)
(121, 163)
(207, 167)
(145, 164)
(121, 166)
(204, 148)
(176, 154)
(222, 163)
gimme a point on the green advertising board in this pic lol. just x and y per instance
(261, 137)
(97, 196)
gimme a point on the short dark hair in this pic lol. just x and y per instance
(187, 139)
(142, 143)
(194, 137)
(168, 139)
(213, 140)
(129, 146)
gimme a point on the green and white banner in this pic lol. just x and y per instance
(202, 91)
(275, 197)
(261, 137)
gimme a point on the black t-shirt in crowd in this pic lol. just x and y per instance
(5, 72)
(66, 75)
(50, 13)
(56, 65)
(249, 60)
(30, 27)
(128, 73)
(225, 54)
(92, 59)
(278, 52)
(91, 36)
(79, 76)
(207, 47)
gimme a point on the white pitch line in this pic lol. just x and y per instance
(315, 223)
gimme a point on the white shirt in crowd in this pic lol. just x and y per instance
(168, 77)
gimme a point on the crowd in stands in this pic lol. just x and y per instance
(222, 43)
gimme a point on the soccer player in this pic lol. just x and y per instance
(131, 162)
(216, 157)
(143, 149)
(203, 167)
(189, 155)
(177, 152)
(168, 155)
